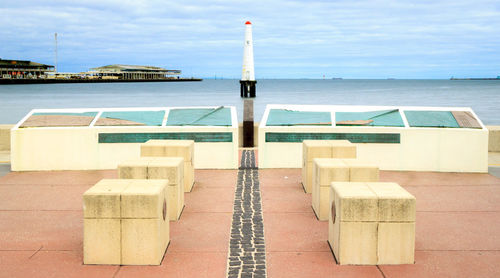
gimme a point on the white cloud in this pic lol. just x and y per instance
(206, 36)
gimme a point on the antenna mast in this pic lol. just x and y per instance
(55, 37)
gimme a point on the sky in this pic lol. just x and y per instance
(292, 39)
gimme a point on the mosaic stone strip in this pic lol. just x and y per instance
(247, 250)
(288, 137)
(144, 137)
(248, 160)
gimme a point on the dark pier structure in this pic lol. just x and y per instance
(247, 88)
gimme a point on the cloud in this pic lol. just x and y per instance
(290, 37)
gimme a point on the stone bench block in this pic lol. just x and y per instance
(145, 227)
(170, 168)
(322, 149)
(173, 148)
(328, 170)
(125, 222)
(361, 171)
(371, 223)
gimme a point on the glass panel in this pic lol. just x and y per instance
(431, 119)
(284, 117)
(220, 116)
(369, 118)
(131, 118)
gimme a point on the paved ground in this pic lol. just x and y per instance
(458, 227)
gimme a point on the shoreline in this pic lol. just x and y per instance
(55, 81)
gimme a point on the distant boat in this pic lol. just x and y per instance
(336, 78)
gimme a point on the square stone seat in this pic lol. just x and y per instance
(170, 168)
(371, 223)
(125, 222)
(322, 149)
(173, 148)
(328, 170)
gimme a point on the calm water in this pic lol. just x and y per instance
(482, 96)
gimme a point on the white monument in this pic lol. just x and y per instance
(247, 73)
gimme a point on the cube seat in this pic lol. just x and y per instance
(170, 168)
(328, 170)
(173, 148)
(371, 223)
(125, 222)
(322, 149)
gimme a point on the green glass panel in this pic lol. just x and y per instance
(289, 137)
(431, 119)
(144, 137)
(150, 118)
(284, 117)
(378, 118)
(220, 116)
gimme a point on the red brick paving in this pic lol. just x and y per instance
(458, 231)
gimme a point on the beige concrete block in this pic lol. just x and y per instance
(180, 148)
(133, 169)
(5, 137)
(343, 149)
(144, 199)
(101, 241)
(304, 173)
(171, 168)
(321, 208)
(103, 199)
(494, 138)
(361, 171)
(331, 169)
(153, 148)
(325, 171)
(355, 242)
(396, 243)
(188, 176)
(144, 241)
(355, 201)
(316, 149)
(309, 178)
(395, 204)
(331, 214)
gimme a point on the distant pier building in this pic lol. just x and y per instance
(132, 72)
(20, 69)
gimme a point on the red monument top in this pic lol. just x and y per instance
(248, 22)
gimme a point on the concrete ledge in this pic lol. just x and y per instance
(494, 138)
(5, 137)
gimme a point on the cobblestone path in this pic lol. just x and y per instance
(247, 251)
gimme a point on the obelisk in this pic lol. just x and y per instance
(247, 81)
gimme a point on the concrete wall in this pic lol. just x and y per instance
(77, 148)
(420, 149)
(494, 138)
(5, 137)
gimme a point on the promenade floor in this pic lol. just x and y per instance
(457, 227)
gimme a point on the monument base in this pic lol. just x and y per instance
(247, 88)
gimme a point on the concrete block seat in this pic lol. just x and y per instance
(371, 223)
(170, 168)
(125, 222)
(328, 170)
(322, 149)
(173, 148)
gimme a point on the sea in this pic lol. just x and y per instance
(483, 96)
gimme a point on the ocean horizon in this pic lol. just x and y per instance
(481, 95)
